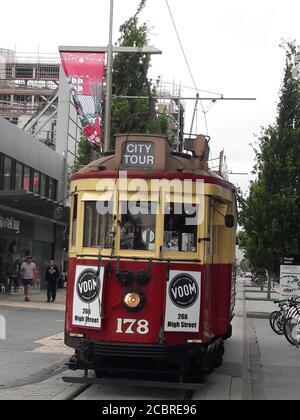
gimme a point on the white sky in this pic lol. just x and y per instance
(232, 47)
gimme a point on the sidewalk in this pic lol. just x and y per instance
(274, 364)
(257, 304)
(38, 300)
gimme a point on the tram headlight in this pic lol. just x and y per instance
(143, 278)
(134, 300)
(125, 278)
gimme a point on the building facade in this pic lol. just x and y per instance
(33, 220)
(29, 86)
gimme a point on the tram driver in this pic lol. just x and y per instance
(127, 235)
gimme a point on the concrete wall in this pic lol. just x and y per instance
(22, 147)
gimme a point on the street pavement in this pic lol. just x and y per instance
(33, 356)
(258, 364)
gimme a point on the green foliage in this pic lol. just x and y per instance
(270, 215)
(84, 153)
(130, 78)
(244, 265)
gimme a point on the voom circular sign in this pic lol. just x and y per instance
(88, 286)
(183, 291)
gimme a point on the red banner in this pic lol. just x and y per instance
(85, 73)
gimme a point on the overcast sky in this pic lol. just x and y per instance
(232, 47)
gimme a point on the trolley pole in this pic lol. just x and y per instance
(109, 81)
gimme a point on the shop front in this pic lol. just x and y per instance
(21, 236)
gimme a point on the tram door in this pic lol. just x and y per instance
(208, 271)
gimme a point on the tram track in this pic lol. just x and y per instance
(128, 389)
(83, 394)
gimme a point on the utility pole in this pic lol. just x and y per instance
(109, 81)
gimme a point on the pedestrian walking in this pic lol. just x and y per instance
(52, 274)
(28, 270)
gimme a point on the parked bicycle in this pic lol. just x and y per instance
(291, 327)
(288, 309)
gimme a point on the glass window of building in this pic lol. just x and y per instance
(138, 226)
(43, 185)
(19, 177)
(52, 189)
(7, 181)
(180, 231)
(97, 227)
(26, 179)
(36, 182)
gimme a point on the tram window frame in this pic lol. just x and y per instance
(136, 240)
(74, 220)
(93, 238)
(182, 200)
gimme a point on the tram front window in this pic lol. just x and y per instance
(180, 231)
(97, 227)
(138, 225)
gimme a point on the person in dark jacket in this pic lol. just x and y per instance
(52, 274)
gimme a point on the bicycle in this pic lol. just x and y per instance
(291, 327)
(287, 310)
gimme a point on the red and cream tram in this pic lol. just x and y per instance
(151, 261)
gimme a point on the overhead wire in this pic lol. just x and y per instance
(187, 63)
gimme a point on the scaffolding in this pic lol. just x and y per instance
(173, 108)
(29, 92)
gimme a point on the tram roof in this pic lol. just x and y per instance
(167, 163)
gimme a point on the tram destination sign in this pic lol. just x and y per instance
(138, 155)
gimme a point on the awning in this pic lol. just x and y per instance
(34, 205)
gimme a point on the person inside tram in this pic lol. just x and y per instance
(127, 235)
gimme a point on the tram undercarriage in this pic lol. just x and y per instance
(151, 364)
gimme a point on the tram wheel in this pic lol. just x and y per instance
(228, 333)
(99, 373)
(219, 355)
(209, 364)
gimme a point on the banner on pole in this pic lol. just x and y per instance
(85, 73)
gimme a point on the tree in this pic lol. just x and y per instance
(270, 214)
(130, 78)
(244, 265)
(86, 153)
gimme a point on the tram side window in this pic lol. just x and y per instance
(180, 232)
(97, 227)
(74, 219)
(138, 226)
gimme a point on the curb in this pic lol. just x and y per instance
(260, 299)
(70, 393)
(259, 315)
